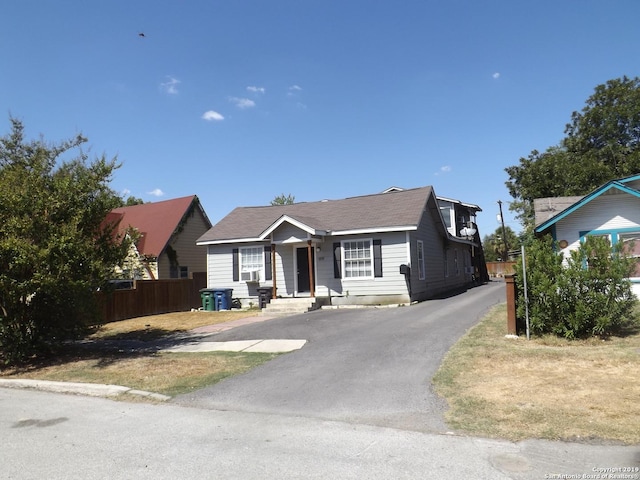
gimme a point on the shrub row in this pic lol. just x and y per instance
(586, 294)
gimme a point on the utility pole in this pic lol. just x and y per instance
(504, 234)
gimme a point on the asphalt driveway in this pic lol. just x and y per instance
(371, 366)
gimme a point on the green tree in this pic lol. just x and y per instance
(494, 245)
(55, 249)
(602, 143)
(543, 268)
(283, 200)
(131, 200)
(588, 295)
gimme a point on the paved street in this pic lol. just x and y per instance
(354, 402)
(64, 437)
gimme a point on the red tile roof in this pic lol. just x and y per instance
(155, 222)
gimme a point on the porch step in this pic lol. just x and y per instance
(280, 307)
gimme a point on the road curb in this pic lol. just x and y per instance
(89, 389)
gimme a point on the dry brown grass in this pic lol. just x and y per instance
(167, 323)
(166, 373)
(542, 388)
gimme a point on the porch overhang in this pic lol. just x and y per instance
(470, 206)
(296, 223)
(374, 230)
(231, 240)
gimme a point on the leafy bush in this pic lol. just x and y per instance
(589, 295)
(55, 249)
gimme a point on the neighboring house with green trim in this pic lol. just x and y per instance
(166, 234)
(611, 211)
(391, 247)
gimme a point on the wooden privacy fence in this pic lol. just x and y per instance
(151, 297)
(500, 269)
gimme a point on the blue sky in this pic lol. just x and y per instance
(239, 101)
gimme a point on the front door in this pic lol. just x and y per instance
(302, 262)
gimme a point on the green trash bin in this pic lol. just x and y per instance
(208, 300)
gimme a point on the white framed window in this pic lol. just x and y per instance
(357, 261)
(421, 271)
(446, 214)
(251, 263)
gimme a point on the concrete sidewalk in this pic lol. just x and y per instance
(253, 346)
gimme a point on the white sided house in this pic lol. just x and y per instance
(611, 211)
(392, 247)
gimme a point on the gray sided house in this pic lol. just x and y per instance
(392, 247)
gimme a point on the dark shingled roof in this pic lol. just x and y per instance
(384, 210)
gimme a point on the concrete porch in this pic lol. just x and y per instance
(280, 307)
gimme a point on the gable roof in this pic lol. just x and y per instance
(612, 187)
(470, 206)
(392, 211)
(156, 222)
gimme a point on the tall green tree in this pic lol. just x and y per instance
(283, 200)
(494, 245)
(131, 201)
(55, 248)
(601, 143)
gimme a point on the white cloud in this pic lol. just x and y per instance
(156, 192)
(256, 89)
(170, 86)
(496, 75)
(212, 116)
(294, 90)
(242, 103)
(444, 169)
